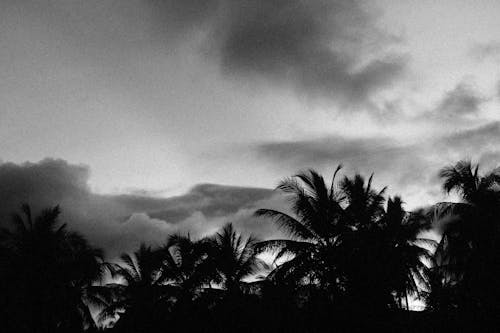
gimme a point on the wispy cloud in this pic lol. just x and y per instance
(405, 166)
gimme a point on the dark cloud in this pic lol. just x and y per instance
(317, 46)
(388, 159)
(325, 150)
(383, 155)
(460, 101)
(406, 168)
(321, 48)
(120, 222)
(481, 136)
(211, 200)
(479, 144)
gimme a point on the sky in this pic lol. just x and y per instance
(143, 117)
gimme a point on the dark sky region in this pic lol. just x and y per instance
(145, 117)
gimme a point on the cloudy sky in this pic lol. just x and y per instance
(142, 117)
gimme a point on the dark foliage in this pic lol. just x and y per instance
(354, 260)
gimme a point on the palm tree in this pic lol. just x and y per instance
(186, 264)
(345, 242)
(188, 270)
(364, 248)
(235, 257)
(52, 271)
(406, 249)
(137, 289)
(470, 244)
(315, 228)
(234, 299)
(364, 204)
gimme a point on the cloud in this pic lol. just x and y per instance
(119, 223)
(485, 51)
(381, 154)
(324, 150)
(458, 107)
(206, 207)
(211, 200)
(385, 157)
(409, 169)
(461, 101)
(488, 134)
(320, 48)
(480, 144)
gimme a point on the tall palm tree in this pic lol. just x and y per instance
(344, 241)
(363, 248)
(53, 273)
(407, 251)
(470, 244)
(188, 271)
(315, 227)
(137, 289)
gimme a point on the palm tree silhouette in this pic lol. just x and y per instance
(186, 265)
(470, 244)
(407, 249)
(345, 242)
(315, 232)
(188, 270)
(236, 258)
(364, 204)
(53, 272)
(135, 298)
(363, 248)
(384, 245)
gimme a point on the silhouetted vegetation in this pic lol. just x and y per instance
(353, 260)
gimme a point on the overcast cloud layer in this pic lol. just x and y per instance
(173, 96)
(320, 48)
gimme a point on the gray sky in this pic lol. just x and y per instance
(157, 96)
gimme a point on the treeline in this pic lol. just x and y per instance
(354, 260)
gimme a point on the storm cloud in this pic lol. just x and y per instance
(119, 223)
(328, 49)
(325, 49)
(319, 47)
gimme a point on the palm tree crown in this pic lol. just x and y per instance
(235, 256)
(54, 270)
